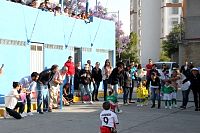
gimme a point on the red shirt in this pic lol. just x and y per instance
(148, 68)
(71, 68)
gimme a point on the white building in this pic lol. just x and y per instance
(152, 21)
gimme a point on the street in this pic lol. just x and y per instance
(80, 118)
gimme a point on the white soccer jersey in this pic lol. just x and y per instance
(108, 118)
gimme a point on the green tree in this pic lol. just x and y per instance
(130, 51)
(171, 44)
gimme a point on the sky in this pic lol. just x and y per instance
(113, 6)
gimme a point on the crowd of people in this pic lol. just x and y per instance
(56, 86)
(56, 9)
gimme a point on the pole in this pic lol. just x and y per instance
(118, 29)
(96, 6)
(76, 8)
(61, 96)
(62, 6)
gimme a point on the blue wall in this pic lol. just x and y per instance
(17, 22)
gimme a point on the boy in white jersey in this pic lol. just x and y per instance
(108, 119)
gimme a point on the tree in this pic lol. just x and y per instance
(171, 44)
(130, 49)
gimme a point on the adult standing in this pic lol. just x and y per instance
(85, 80)
(42, 88)
(148, 68)
(96, 79)
(106, 71)
(70, 74)
(195, 86)
(77, 76)
(185, 69)
(133, 72)
(90, 69)
(30, 84)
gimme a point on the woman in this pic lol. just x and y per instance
(154, 84)
(106, 71)
(77, 76)
(195, 86)
(96, 79)
(85, 80)
(140, 75)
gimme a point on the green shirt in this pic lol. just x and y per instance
(112, 98)
(167, 89)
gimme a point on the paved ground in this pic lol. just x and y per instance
(85, 119)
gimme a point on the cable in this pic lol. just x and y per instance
(71, 32)
(26, 31)
(34, 26)
(98, 26)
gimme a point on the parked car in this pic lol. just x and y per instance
(170, 66)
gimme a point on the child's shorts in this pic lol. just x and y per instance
(167, 97)
(173, 95)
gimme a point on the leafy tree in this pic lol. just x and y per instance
(130, 49)
(171, 44)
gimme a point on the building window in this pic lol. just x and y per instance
(139, 32)
(140, 43)
(140, 3)
(140, 13)
(175, 10)
(139, 23)
(175, 1)
(174, 21)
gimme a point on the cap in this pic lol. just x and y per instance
(195, 69)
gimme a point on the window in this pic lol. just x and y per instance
(175, 1)
(140, 43)
(140, 3)
(139, 23)
(140, 13)
(175, 10)
(139, 32)
(174, 21)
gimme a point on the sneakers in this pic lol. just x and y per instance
(166, 107)
(170, 107)
(175, 106)
(23, 115)
(84, 102)
(40, 112)
(182, 107)
(153, 106)
(91, 102)
(29, 114)
(125, 104)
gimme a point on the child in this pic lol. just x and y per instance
(113, 101)
(174, 82)
(108, 119)
(11, 101)
(167, 93)
(142, 94)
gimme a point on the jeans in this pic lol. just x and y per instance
(105, 88)
(155, 94)
(95, 91)
(125, 96)
(86, 89)
(42, 97)
(21, 107)
(185, 95)
(70, 80)
(115, 89)
(13, 113)
(28, 98)
(131, 90)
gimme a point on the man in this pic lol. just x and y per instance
(148, 68)
(29, 83)
(185, 69)
(70, 74)
(42, 88)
